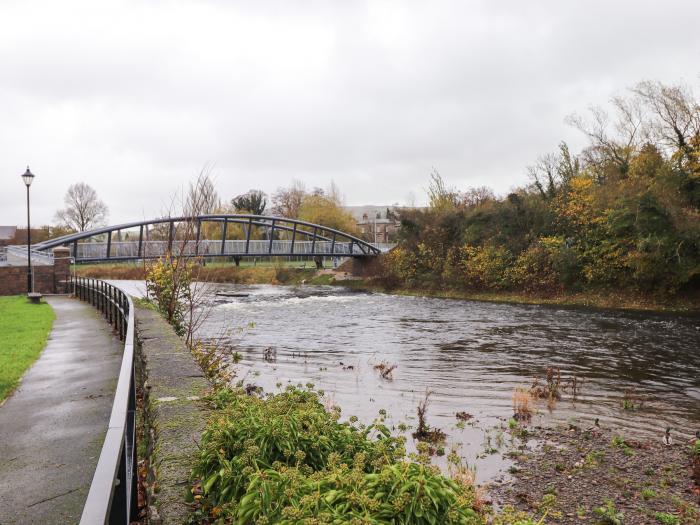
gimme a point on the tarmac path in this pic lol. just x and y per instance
(52, 427)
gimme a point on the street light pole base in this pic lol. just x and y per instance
(34, 297)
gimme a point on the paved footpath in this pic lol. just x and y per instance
(53, 426)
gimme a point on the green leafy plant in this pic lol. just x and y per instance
(648, 494)
(284, 458)
(608, 514)
(666, 518)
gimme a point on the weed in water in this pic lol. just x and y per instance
(385, 369)
(522, 405)
(552, 387)
(424, 432)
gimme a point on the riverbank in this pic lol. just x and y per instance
(216, 273)
(593, 475)
(687, 305)
(294, 276)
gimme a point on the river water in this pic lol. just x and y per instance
(470, 355)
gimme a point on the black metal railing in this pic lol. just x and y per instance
(113, 491)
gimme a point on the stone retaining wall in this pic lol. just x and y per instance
(173, 414)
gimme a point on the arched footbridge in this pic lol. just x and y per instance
(224, 235)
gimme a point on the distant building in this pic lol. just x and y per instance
(376, 223)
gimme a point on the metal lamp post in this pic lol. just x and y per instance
(28, 177)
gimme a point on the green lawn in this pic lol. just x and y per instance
(24, 328)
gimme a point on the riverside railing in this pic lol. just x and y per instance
(113, 491)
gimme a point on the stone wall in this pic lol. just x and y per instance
(172, 414)
(47, 279)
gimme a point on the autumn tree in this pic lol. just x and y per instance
(84, 209)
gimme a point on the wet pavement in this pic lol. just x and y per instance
(52, 427)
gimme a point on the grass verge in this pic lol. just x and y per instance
(24, 328)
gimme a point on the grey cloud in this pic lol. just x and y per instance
(134, 98)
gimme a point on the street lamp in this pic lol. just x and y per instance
(28, 177)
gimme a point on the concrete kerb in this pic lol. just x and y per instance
(173, 416)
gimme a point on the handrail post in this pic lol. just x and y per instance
(272, 237)
(247, 235)
(224, 229)
(140, 242)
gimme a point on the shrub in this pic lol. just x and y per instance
(285, 459)
(486, 267)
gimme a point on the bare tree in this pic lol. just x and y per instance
(202, 198)
(674, 115)
(177, 287)
(477, 196)
(286, 202)
(553, 171)
(607, 149)
(84, 209)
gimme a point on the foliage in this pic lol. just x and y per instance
(608, 514)
(24, 328)
(624, 213)
(254, 202)
(169, 285)
(667, 519)
(286, 459)
(327, 211)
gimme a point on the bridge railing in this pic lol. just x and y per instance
(113, 491)
(86, 251)
(17, 255)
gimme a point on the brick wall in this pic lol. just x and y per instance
(47, 279)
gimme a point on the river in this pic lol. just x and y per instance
(470, 355)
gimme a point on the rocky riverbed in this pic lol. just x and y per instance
(574, 475)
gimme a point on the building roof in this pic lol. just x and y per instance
(7, 232)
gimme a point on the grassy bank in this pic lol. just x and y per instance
(590, 299)
(216, 273)
(24, 328)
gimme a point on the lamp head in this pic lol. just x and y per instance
(28, 177)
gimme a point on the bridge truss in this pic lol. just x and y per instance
(219, 235)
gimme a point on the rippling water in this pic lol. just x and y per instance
(470, 354)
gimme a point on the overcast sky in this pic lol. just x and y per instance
(134, 98)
